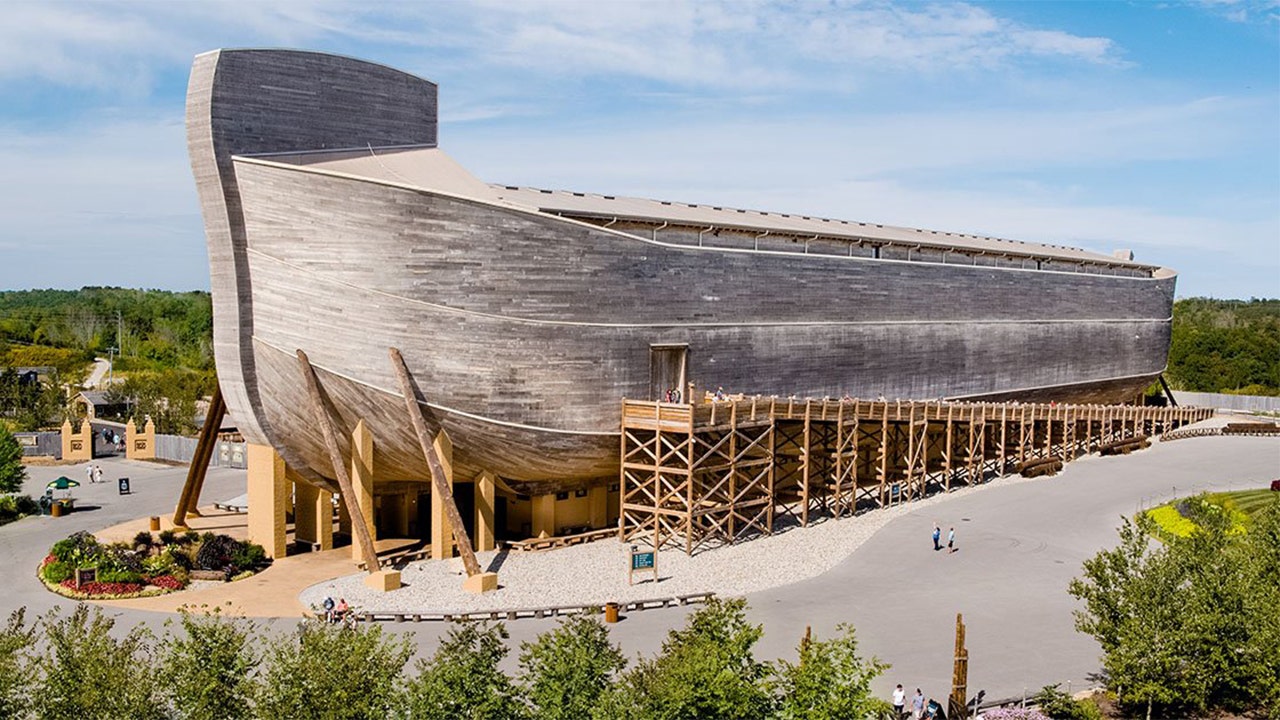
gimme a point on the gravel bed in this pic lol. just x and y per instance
(595, 573)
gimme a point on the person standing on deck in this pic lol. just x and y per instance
(937, 537)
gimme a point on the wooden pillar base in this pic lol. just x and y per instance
(482, 583)
(383, 580)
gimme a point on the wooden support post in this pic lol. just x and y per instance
(441, 483)
(359, 502)
(806, 463)
(189, 499)
(325, 421)
(442, 527)
(312, 513)
(950, 447)
(268, 493)
(486, 492)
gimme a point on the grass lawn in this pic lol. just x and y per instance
(1242, 505)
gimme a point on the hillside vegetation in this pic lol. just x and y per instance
(1226, 346)
(163, 349)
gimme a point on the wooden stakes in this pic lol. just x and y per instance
(190, 496)
(360, 528)
(440, 483)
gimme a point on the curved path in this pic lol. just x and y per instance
(1019, 546)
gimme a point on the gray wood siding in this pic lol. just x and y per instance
(253, 101)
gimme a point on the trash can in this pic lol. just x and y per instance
(611, 612)
(58, 510)
(155, 523)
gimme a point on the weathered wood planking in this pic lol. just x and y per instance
(529, 327)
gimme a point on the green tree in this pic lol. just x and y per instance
(705, 671)
(462, 681)
(209, 669)
(12, 471)
(829, 682)
(332, 672)
(1192, 624)
(16, 641)
(567, 670)
(88, 674)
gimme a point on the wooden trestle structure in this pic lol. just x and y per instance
(702, 475)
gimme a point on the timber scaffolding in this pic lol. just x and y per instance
(721, 471)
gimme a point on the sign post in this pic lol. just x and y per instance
(643, 561)
(123, 484)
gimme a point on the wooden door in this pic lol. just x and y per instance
(668, 370)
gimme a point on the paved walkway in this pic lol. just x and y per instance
(1019, 547)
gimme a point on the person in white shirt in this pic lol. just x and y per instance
(899, 700)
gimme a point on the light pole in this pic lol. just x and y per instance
(111, 365)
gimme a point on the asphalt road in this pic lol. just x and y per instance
(1019, 546)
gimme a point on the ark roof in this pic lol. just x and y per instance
(429, 168)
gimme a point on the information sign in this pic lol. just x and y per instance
(124, 486)
(643, 561)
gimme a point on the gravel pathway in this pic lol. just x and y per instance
(596, 573)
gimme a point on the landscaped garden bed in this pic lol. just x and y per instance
(1182, 517)
(82, 568)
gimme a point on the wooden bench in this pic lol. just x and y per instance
(521, 613)
(1251, 428)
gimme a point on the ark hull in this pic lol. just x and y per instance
(524, 329)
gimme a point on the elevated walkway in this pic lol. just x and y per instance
(701, 475)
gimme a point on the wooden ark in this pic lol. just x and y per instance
(336, 226)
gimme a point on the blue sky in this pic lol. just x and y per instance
(1153, 126)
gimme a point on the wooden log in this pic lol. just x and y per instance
(325, 422)
(190, 496)
(440, 483)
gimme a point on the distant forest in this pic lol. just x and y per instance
(161, 342)
(163, 348)
(1226, 346)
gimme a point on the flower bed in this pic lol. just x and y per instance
(146, 566)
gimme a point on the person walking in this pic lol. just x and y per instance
(937, 537)
(899, 701)
(88, 473)
(951, 540)
(917, 705)
(97, 473)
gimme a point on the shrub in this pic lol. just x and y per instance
(191, 537)
(181, 557)
(705, 669)
(16, 641)
(248, 556)
(209, 668)
(119, 576)
(77, 548)
(830, 681)
(104, 589)
(462, 678)
(13, 507)
(86, 672)
(359, 669)
(1060, 706)
(56, 571)
(566, 670)
(143, 539)
(215, 553)
(12, 471)
(168, 537)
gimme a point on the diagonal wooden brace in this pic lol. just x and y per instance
(190, 497)
(339, 467)
(440, 483)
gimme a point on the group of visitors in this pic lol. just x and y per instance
(937, 538)
(93, 473)
(335, 613)
(672, 395)
(920, 710)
